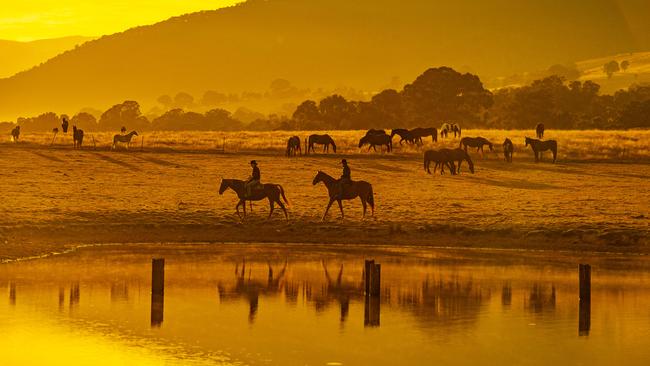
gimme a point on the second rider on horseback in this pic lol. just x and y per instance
(346, 178)
(254, 181)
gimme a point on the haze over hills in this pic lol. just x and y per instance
(20, 56)
(324, 43)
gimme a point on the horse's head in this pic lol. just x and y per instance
(224, 186)
(491, 146)
(528, 140)
(318, 178)
(362, 141)
(134, 133)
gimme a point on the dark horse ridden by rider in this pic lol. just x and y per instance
(270, 191)
(539, 146)
(354, 189)
(293, 145)
(325, 140)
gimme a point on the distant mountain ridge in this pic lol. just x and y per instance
(21, 56)
(321, 43)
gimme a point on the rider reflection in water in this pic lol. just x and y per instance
(346, 177)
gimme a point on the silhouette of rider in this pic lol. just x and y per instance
(64, 125)
(123, 130)
(253, 181)
(346, 178)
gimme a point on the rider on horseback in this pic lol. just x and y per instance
(345, 179)
(253, 182)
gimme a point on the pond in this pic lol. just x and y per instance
(306, 305)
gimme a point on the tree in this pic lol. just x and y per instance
(43, 122)
(165, 100)
(625, 65)
(566, 72)
(307, 114)
(126, 114)
(389, 107)
(610, 68)
(334, 110)
(213, 98)
(442, 94)
(85, 121)
(183, 100)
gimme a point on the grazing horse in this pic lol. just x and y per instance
(404, 134)
(77, 137)
(539, 146)
(374, 140)
(447, 128)
(508, 149)
(418, 133)
(355, 189)
(15, 133)
(126, 139)
(477, 142)
(375, 132)
(325, 140)
(539, 130)
(441, 158)
(459, 155)
(270, 191)
(293, 145)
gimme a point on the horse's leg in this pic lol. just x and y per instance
(237, 208)
(341, 208)
(286, 215)
(328, 208)
(363, 203)
(272, 204)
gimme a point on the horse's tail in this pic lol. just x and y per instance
(282, 194)
(371, 197)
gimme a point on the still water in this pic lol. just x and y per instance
(305, 305)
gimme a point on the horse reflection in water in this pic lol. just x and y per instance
(251, 289)
(336, 290)
(540, 299)
(453, 302)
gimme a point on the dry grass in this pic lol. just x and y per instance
(573, 145)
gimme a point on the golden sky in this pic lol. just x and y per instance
(26, 20)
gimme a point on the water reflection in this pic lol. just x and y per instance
(281, 307)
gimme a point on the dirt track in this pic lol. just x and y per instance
(55, 198)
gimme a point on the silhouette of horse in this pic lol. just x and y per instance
(418, 133)
(270, 191)
(355, 189)
(441, 158)
(477, 142)
(508, 149)
(539, 146)
(459, 155)
(447, 128)
(77, 137)
(539, 130)
(64, 125)
(374, 140)
(404, 134)
(126, 139)
(325, 140)
(375, 132)
(293, 145)
(15, 133)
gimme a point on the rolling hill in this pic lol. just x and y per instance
(20, 56)
(323, 43)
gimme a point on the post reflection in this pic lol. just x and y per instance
(157, 292)
(12, 293)
(540, 299)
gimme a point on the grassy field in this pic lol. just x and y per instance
(573, 145)
(595, 198)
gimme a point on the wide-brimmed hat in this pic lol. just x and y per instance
(253, 162)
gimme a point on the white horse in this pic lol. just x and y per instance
(448, 128)
(126, 139)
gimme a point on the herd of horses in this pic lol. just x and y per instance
(78, 136)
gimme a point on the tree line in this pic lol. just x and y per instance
(438, 95)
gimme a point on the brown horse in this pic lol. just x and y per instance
(77, 137)
(459, 155)
(404, 134)
(539, 146)
(418, 133)
(441, 158)
(270, 191)
(15, 133)
(372, 131)
(477, 142)
(325, 140)
(293, 145)
(355, 189)
(508, 149)
(374, 140)
(539, 130)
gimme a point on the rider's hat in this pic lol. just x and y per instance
(253, 162)
(344, 161)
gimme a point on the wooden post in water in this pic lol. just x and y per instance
(372, 276)
(157, 291)
(584, 317)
